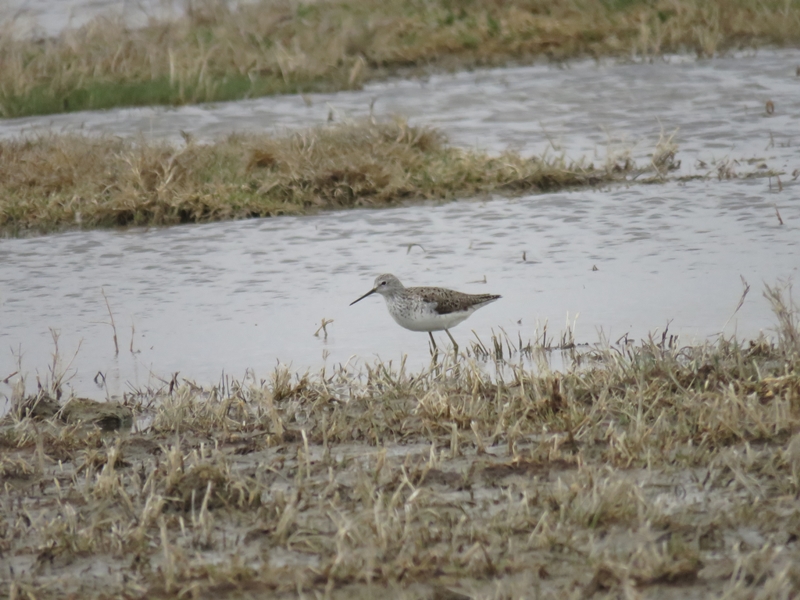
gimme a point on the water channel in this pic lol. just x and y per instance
(244, 296)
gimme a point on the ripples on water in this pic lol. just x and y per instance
(231, 296)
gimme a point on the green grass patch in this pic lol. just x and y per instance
(99, 95)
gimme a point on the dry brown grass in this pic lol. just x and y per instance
(57, 181)
(283, 46)
(649, 469)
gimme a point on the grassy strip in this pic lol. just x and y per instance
(58, 181)
(670, 471)
(283, 46)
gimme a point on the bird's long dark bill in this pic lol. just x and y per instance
(372, 291)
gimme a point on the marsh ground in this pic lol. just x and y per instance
(648, 470)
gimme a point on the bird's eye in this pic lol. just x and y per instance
(383, 283)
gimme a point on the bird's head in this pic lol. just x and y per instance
(385, 285)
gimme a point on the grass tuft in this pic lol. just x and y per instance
(56, 181)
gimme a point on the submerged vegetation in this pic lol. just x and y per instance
(218, 53)
(56, 181)
(649, 468)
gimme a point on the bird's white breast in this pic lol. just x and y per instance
(422, 318)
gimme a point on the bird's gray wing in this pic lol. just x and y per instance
(448, 301)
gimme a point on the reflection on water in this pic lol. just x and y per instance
(244, 295)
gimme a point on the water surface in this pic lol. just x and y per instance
(228, 297)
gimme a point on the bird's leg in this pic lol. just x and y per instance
(433, 341)
(455, 346)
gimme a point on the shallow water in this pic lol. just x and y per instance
(245, 295)
(48, 18)
(581, 108)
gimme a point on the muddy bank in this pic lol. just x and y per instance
(665, 470)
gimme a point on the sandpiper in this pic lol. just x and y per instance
(426, 308)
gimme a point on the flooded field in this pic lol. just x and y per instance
(237, 296)
(244, 295)
(252, 458)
